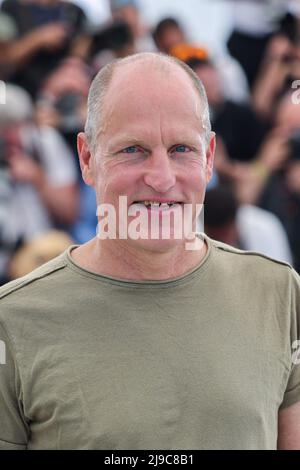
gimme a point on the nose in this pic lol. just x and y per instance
(159, 173)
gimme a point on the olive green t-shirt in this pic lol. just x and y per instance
(203, 361)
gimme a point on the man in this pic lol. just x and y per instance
(167, 34)
(170, 38)
(243, 144)
(126, 343)
(281, 193)
(129, 12)
(254, 24)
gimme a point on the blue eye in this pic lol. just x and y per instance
(181, 148)
(131, 149)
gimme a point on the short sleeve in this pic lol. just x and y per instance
(14, 430)
(292, 392)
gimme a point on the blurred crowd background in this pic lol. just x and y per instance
(246, 52)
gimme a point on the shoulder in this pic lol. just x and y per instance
(36, 307)
(247, 259)
(22, 285)
(36, 299)
(254, 275)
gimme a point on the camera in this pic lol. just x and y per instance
(113, 37)
(67, 107)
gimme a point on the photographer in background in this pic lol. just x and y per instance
(255, 23)
(240, 127)
(282, 190)
(170, 38)
(266, 42)
(279, 68)
(38, 179)
(168, 33)
(128, 11)
(47, 32)
(61, 100)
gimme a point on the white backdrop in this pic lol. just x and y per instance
(207, 21)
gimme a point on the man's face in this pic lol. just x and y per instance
(129, 14)
(171, 37)
(151, 145)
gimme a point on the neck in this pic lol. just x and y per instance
(115, 258)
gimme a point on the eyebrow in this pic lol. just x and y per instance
(124, 141)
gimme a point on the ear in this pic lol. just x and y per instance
(85, 159)
(210, 155)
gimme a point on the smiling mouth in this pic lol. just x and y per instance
(158, 205)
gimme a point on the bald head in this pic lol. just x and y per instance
(123, 71)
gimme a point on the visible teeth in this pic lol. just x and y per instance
(164, 205)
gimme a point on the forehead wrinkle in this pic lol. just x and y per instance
(156, 133)
(111, 116)
(151, 116)
(123, 140)
(135, 107)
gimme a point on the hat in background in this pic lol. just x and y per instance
(17, 106)
(187, 52)
(38, 251)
